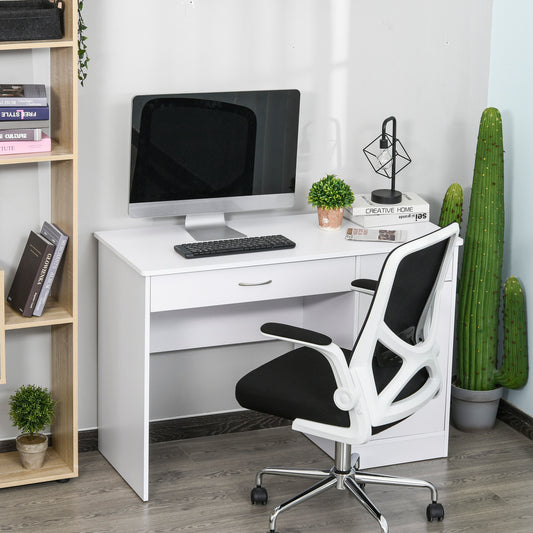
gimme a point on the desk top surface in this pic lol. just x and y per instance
(150, 249)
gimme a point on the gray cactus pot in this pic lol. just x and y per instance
(475, 410)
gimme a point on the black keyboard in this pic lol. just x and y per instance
(243, 245)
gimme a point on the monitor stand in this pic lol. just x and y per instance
(210, 227)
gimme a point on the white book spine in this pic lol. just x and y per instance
(375, 221)
(411, 203)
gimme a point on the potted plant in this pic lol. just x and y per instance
(330, 196)
(479, 383)
(31, 410)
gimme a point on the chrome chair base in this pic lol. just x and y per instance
(342, 476)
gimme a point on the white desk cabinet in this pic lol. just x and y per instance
(153, 300)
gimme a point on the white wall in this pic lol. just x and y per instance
(355, 63)
(510, 90)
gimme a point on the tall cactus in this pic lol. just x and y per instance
(514, 368)
(480, 284)
(452, 206)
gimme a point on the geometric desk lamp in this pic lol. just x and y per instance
(383, 161)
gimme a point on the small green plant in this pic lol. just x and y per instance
(83, 57)
(31, 409)
(331, 192)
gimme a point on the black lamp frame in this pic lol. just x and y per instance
(387, 196)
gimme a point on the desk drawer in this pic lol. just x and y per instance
(235, 285)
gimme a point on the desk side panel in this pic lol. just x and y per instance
(123, 369)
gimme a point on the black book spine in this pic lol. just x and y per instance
(30, 275)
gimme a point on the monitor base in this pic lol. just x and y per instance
(210, 227)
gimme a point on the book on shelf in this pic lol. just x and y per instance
(23, 113)
(370, 214)
(22, 95)
(16, 125)
(59, 239)
(383, 235)
(24, 134)
(30, 274)
(26, 147)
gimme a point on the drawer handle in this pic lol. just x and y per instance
(243, 284)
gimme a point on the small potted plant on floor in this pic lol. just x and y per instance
(31, 410)
(330, 196)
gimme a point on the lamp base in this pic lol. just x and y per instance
(386, 196)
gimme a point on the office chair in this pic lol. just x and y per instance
(349, 395)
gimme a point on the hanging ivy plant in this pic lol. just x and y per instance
(83, 57)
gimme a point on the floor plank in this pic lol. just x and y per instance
(202, 485)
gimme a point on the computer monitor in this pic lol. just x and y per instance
(204, 155)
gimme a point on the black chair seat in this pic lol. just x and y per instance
(300, 384)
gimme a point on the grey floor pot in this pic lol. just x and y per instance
(475, 410)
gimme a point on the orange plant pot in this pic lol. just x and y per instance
(330, 219)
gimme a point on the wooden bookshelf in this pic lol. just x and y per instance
(61, 311)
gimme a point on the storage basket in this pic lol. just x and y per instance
(27, 20)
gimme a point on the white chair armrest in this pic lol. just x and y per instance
(347, 394)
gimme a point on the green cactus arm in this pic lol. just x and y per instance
(513, 372)
(452, 206)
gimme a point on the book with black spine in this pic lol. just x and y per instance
(22, 95)
(30, 274)
(57, 237)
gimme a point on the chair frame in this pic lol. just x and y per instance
(356, 391)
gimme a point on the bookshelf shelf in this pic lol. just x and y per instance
(11, 474)
(61, 310)
(54, 314)
(58, 153)
(30, 45)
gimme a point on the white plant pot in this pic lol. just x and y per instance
(32, 451)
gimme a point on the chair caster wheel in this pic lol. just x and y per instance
(435, 511)
(259, 495)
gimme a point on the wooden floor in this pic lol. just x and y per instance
(203, 484)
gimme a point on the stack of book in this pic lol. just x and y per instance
(369, 214)
(37, 270)
(24, 112)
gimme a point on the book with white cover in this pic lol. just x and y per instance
(370, 214)
(411, 203)
(377, 221)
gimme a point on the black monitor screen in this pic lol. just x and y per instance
(213, 145)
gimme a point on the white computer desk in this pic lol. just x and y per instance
(152, 300)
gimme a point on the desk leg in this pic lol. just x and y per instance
(123, 369)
